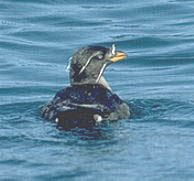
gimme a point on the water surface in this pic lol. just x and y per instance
(156, 80)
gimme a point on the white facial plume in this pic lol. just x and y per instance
(113, 49)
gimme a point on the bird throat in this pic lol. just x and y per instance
(103, 82)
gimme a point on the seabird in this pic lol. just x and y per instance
(89, 100)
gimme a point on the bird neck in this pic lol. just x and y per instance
(102, 81)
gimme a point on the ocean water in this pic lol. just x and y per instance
(156, 80)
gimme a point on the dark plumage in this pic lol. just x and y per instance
(89, 100)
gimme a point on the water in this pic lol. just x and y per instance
(156, 80)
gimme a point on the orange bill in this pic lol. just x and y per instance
(119, 56)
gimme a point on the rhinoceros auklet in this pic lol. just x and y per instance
(89, 100)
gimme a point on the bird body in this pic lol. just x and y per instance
(89, 100)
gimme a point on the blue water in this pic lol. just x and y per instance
(156, 80)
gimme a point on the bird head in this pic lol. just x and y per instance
(89, 63)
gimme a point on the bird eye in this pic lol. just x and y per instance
(100, 57)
